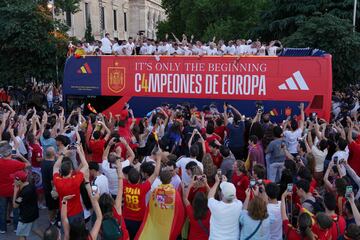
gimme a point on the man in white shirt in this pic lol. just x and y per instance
(99, 179)
(106, 45)
(291, 137)
(129, 47)
(108, 166)
(230, 50)
(211, 51)
(224, 220)
(272, 191)
(182, 162)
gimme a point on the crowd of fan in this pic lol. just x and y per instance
(144, 46)
(239, 177)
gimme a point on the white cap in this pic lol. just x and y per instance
(228, 190)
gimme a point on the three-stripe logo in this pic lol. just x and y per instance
(297, 82)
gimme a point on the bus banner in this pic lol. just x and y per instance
(307, 79)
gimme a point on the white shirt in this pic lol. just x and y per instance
(111, 175)
(341, 155)
(274, 211)
(129, 48)
(224, 220)
(102, 183)
(106, 45)
(291, 139)
(272, 51)
(231, 50)
(181, 163)
(211, 52)
(319, 158)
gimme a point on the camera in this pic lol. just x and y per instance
(252, 183)
(73, 146)
(336, 158)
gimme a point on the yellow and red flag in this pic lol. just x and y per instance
(164, 216)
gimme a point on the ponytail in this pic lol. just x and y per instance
(306, 233)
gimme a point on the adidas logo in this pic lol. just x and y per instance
(84, 69)
(297, 84)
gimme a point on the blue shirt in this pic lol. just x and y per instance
(249, 225)
(46, 143)
(277, 154)
(236, 134)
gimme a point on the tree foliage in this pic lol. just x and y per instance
(227, 19)
(88, 32)
(283, 17)
(29, 43)
(335, 36)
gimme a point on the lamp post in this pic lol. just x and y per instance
(51, 6)
(354, 15)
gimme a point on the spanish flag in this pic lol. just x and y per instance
(274, 112)
(164, 216)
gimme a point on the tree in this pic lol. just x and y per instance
(227, 19)
(89, 37)
(30, 42)
(334, 35)
(283, 17)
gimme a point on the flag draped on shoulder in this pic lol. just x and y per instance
(164, 216)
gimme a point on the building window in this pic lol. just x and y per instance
(68, 19)
(102, 18)
(115, 20)
(125, 22)
(87, 13)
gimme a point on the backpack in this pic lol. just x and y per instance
(317, 205)
(111, 229)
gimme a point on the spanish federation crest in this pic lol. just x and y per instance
(116, 78)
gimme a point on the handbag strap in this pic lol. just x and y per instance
(255, 231)
(203, 227)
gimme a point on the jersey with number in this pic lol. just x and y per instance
(134, 196)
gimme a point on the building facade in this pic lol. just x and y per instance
(119, 18)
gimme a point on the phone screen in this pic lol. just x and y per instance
(290, 187)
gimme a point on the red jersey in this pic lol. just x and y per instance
(338, 227)
(291, 232)
(134, 195)
(321, 234)
(220, 131)
(8, 167)
(97, 148)
(118, 217)
(193, 191)
(241, 184)
(69, 186)
(197, 232)
(36, 152)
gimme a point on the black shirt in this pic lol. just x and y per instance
(28, 205)
(47, 174)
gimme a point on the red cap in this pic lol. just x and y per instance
(20, 175)
(124, 114)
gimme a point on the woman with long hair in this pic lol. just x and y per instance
(240, 179)
(304, 223)
(254, 219)
(111, 209)
(198, 212)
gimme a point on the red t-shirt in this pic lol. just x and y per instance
(321, 234)
(193, 191)
(241, 184)
(134, 195)
(354, 156)
(338, 227)
(220, 131)
(8, 167)
(196, 231)
(291, 232)
(69, 186)
(97, 148)
(36, 152)
(118, 217)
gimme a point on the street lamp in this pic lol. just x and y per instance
(354, 15)
(51, 6)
